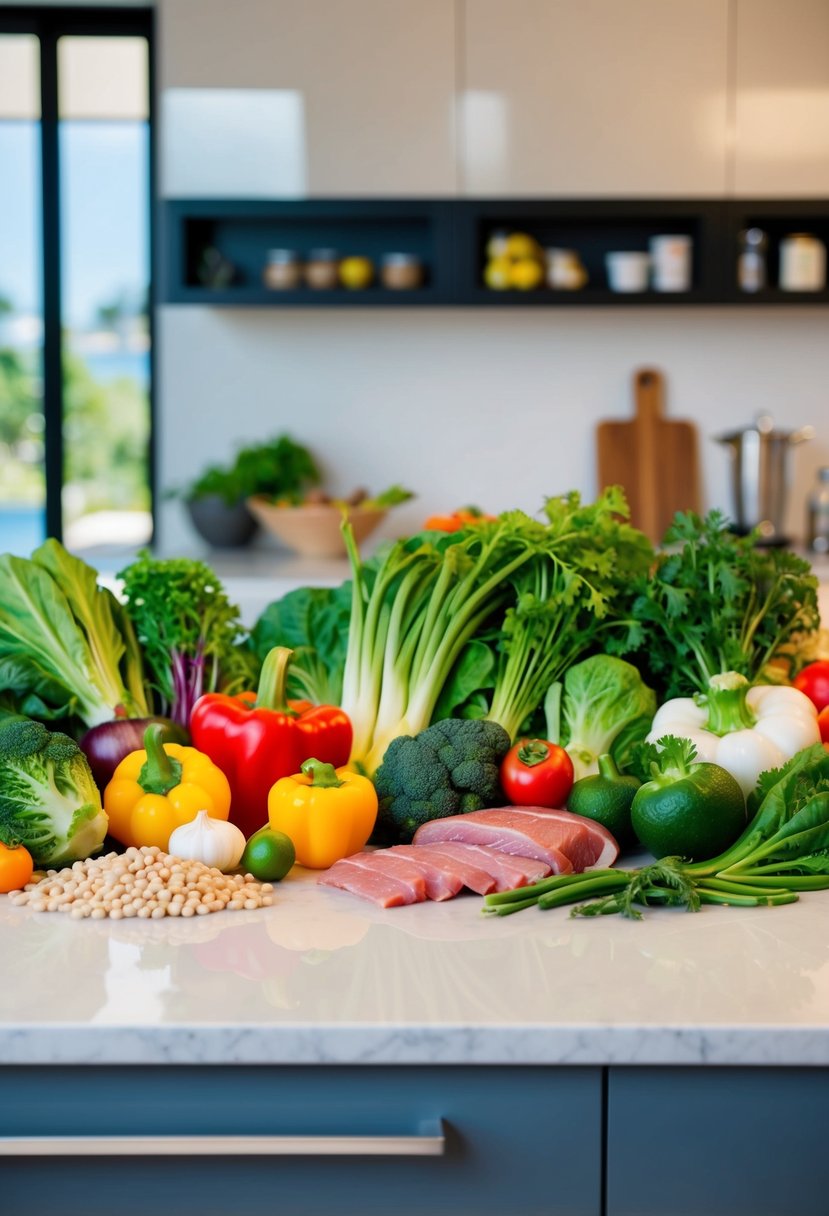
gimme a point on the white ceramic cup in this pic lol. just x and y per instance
(671, 259)
(627, 271)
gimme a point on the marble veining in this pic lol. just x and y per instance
(322, 978)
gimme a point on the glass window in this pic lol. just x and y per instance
(105, 274)
(22, 481)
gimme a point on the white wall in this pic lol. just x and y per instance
(493, 407)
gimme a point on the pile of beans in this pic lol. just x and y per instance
(142, 882)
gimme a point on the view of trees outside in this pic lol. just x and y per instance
(106, 340)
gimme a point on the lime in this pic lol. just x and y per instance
(696, 817)
(608, 803)
(268, 855)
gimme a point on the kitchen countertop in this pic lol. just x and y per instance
(324, 978)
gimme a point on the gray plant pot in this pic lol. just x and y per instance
(221, 526)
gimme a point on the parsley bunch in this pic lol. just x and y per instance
(190, 634)
(717, 602)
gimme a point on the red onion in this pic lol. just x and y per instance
(105, 746)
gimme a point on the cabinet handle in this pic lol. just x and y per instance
(431, 1142)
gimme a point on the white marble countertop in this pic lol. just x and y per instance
(322, 977)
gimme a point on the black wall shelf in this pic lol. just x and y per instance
(449, 236)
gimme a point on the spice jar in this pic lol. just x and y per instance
(282, 270)
(401, 272)
(802, 263)
(322, 269)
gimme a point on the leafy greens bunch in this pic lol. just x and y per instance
(717, 602)
(67, 647)
(190, 634)
(546, 591)
(783, 851)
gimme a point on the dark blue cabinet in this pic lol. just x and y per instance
(717, 1142)
(516, 1141)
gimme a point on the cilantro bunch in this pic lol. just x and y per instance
(717, 602)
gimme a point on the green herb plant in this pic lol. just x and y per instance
(191, 636)
(716, 602)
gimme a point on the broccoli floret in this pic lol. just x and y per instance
(48, 798)
(448, 769)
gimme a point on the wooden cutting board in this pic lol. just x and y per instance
(655, 459)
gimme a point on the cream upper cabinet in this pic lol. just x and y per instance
(317, 97)
(594, 97)
(782, 98)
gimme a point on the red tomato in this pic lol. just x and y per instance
(823, 723)
(813, 680)
(537, 773)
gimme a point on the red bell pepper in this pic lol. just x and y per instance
(256, 738)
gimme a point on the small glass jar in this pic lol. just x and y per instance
(802, 263)
(282, 270)
(322, 270)
(401, 272)
(751, 261)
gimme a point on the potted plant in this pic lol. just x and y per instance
(216, 499)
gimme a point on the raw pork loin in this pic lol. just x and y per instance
(566, 842)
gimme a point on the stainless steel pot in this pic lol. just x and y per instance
(760, 480)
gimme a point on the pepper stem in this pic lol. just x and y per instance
(607, 768)
(270, 693)
(160, 772)
(726, 703)
(323, 776)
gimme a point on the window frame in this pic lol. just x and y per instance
(48, 24)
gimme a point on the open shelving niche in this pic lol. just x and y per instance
(449, 236)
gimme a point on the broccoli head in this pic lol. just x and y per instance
(448, 769)
(49, 801)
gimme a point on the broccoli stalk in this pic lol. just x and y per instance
(448, 769)
(49, 801)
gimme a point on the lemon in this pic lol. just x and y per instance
(268, 855)
(525, 274)
(356, 272)
(520, 245)
(497, 274)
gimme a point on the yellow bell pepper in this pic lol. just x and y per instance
(328, 813)
(162, 785)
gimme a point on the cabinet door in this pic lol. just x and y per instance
(517, 1140)
(717, 1142)
(359, 95)
(578, 97)
(782, 98)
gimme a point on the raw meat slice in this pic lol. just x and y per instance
(477, 877)
(566, 842)
(505, 872)
(398, 868)
(375, 885)
(443, 880)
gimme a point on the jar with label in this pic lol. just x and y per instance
(282, 270)
(802, 263)
(401, 272)
(751, 261)
(565, 270)
(322, 270)
(817, 514)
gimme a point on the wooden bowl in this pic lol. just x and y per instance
(314, 530)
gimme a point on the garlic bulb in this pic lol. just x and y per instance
(215, 842)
